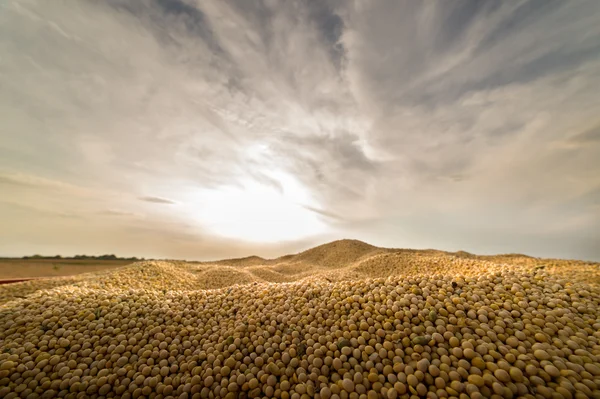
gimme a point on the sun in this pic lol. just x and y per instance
(261, 213)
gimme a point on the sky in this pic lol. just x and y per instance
(203, 130)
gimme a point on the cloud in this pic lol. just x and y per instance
(459, 125)
(33, 181)
(322, 212)
(113, 212)
(587, 137)
(31, 212)
(158, 200)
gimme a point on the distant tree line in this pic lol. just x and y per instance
(101, 257)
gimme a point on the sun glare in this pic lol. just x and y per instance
(259, 212)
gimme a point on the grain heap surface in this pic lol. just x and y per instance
(381, 324)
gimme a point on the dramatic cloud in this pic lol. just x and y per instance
(274, 126)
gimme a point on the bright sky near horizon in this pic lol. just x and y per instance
(212, 129)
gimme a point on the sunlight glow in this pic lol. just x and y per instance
(260, 212)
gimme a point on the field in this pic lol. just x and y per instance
(15, 268)
(343, 320)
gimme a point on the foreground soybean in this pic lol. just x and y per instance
(499, 335)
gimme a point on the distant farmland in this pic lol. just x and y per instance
(18, 268)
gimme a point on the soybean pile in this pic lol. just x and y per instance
(343, 320)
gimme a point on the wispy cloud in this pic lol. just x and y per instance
(325, 213)
(35, 212)
(34, 181)
(115, 212)
(158, 200)
(416, 123)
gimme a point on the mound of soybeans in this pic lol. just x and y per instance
(146, 332)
